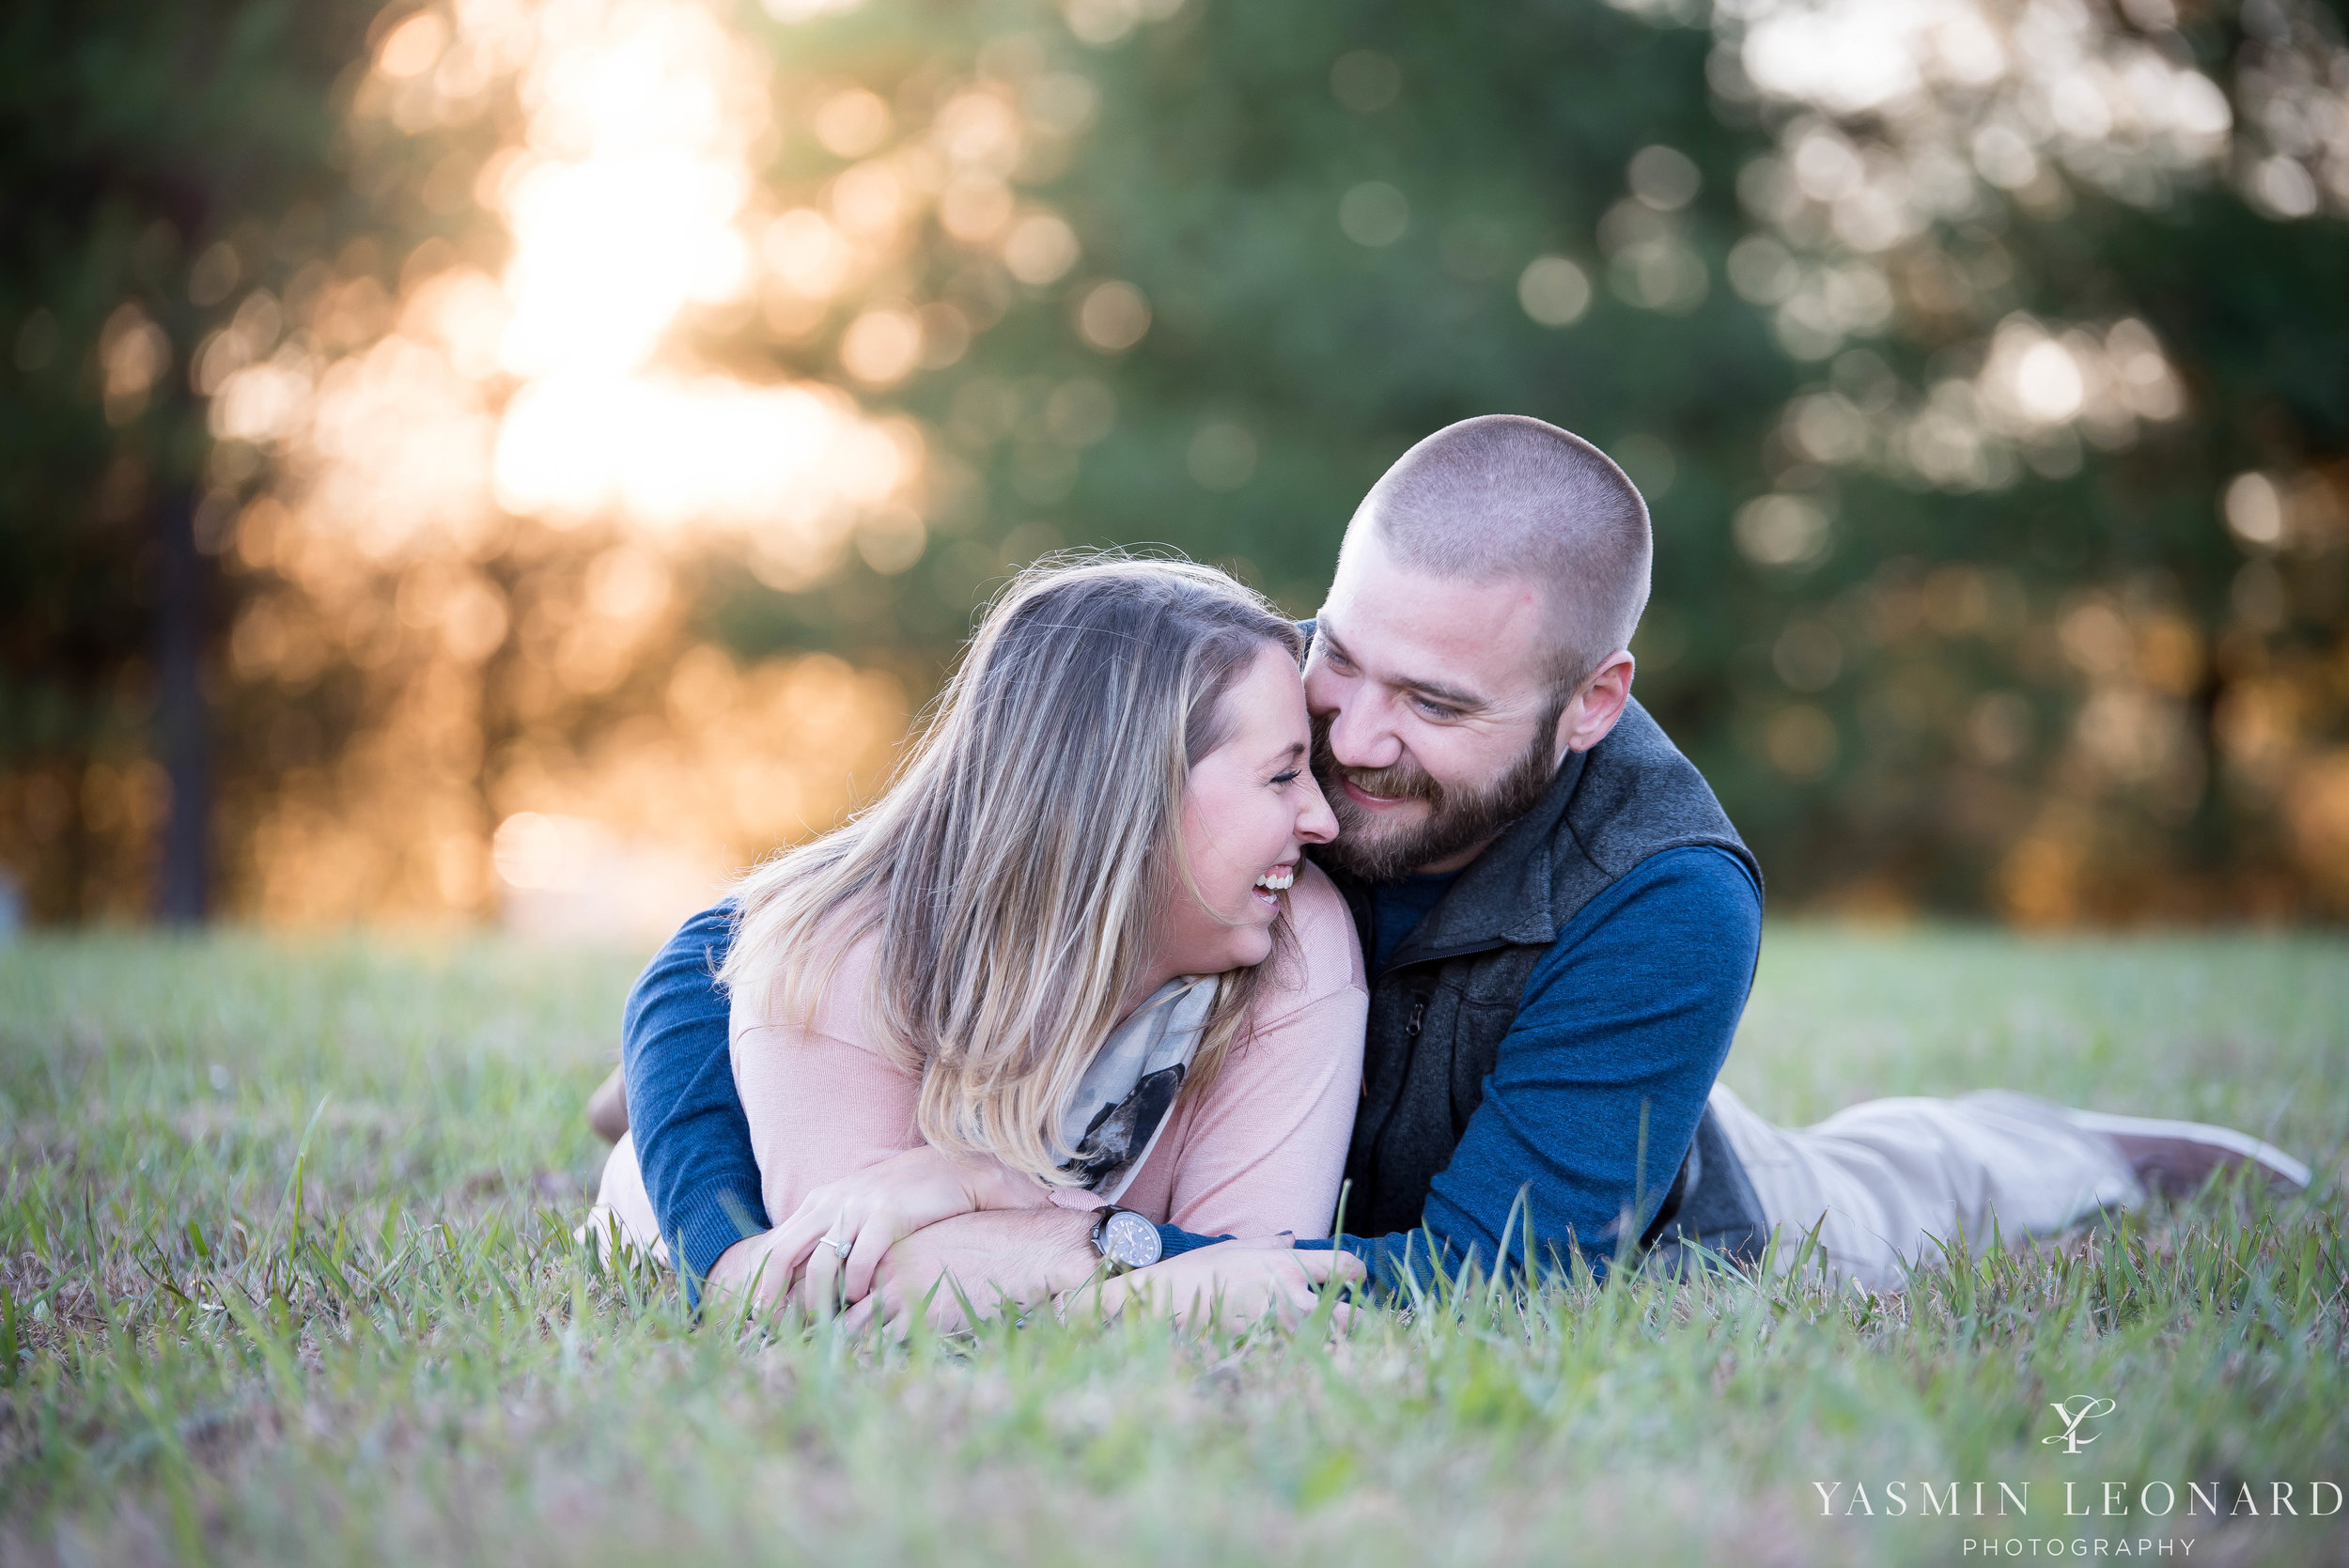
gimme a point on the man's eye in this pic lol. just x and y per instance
(1437, 710)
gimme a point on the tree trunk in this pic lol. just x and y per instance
(182, 888)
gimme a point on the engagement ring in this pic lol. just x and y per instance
(838, 1246)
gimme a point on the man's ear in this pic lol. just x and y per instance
(1598, 705)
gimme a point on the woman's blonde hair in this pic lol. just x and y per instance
(1014, 865)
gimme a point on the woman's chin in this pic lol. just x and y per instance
(1245, 948)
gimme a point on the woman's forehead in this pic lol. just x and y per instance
(1265, 705)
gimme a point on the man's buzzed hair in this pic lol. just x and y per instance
(1503, 495)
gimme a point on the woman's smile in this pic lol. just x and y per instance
(1249, 809)
(1274, 882)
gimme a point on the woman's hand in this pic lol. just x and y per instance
(837, 1236)
(1235, 1282)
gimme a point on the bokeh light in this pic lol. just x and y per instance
(1957, 346)
(489, 474)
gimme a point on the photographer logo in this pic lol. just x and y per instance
(2162, 1516)
(2071, 1412)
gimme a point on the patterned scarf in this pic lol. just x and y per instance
(1121, 1103)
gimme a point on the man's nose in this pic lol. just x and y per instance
(1359, 736)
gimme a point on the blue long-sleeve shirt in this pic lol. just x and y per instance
(692, 1140)
(1623, 1028)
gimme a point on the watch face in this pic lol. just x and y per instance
(1129, 1240)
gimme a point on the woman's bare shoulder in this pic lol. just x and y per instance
(1328, 955)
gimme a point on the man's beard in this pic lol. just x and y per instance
(1457, 821)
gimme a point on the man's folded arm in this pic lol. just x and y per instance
(1597, 1088)
(692, 1138)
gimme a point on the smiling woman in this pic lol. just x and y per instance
(1025, 976)
(1251, 807)
(1032, 872)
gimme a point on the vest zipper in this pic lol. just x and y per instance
(1410, 1032)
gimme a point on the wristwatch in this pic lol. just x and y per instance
(1124, 1239)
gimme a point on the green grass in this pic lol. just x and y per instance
(289, 1279)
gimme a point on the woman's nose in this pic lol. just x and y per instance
(1315, 822)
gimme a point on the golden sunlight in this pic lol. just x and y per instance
(488, 477)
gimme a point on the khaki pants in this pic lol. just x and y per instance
(1884, 1181)
(623, 1198)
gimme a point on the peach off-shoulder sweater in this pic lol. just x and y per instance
(1262, 1150)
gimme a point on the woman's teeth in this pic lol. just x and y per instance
(1279, 880)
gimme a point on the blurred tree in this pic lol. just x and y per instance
(155, 157)
(1981, 362)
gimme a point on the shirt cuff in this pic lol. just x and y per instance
(1174, 1241)
(707, 1224)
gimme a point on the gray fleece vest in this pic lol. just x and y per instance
(1438, 1010)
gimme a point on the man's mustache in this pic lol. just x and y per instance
(1399, 781)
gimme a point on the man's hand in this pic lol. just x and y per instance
(1000, 1259)
(1234, 1283)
